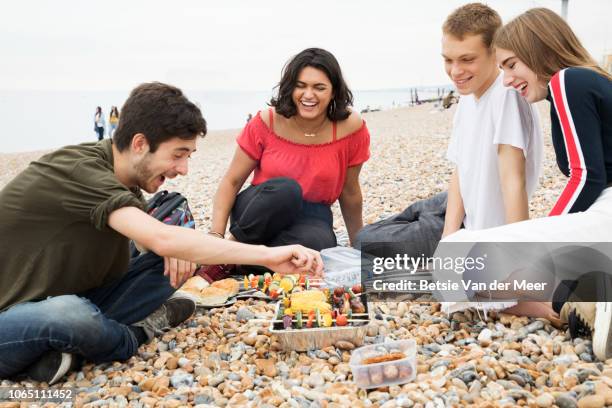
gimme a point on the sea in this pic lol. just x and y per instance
(39, 120)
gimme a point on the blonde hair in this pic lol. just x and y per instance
(473, 19)
(544, 42)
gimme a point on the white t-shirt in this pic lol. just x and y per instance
(500, 116)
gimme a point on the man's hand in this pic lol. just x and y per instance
(294, 259)
(178, 271)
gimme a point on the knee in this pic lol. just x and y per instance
(72, 311)
(360, 237)
(288, 189)
(319, 240)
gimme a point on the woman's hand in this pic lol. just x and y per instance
(294, 259)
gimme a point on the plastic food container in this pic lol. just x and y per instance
(342, 266)
(387, 372)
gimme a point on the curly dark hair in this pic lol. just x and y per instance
(320, 59)
(160, 112)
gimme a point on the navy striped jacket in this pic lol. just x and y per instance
(581, 119)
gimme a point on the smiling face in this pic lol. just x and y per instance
(312, 93)
(169, 160)
(520, 77)
(469, 64)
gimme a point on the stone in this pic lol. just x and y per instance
(315, 380)
(202, 371)
(244, 315)
(345, 345)
(605, 391)
(100, 380)
(181, 378)
(402, 308)
(545, 400)
(565, 401)
(468, 376)
(216, 379)
(315, 395)
(404, 401)
(592, 401)
(203, 399)
(267, 367)
(459, 384)
(485, 337)
(172, 363)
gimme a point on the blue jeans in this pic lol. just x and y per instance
(93, 324)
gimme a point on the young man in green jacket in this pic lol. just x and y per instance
(69, 288)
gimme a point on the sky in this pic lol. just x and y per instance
(241, 44)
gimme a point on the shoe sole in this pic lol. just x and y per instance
(63, 368)
(38, 372)
(602, 339)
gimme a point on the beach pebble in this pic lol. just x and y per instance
(485, 337)
(216, 379)
(592, 401)
(244, 315)
(345, 345)
(314, 380)
(545, 400)
(566, 401)
(180, 378)
(266, 367)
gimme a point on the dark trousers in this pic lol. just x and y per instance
(273, 213)
(93, 324)
(415, 232)
(100, 131)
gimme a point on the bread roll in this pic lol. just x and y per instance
(213, 296)
(195, 285)
(230, 285)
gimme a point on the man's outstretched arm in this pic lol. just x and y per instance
(195, 246)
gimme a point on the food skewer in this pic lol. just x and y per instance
(333, 320)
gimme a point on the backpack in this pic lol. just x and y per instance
(169, 208)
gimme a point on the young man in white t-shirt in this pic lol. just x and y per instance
(496, 143)
(496, 147)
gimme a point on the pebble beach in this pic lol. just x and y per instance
(226, 357)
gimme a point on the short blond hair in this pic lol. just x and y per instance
(473, 19)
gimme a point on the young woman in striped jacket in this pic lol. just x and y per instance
(543, 59)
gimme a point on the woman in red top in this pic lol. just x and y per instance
(306, 152)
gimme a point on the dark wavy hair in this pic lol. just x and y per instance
(318, 58)
(160, 112)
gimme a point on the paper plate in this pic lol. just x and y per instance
(229, 302)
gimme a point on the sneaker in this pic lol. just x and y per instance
(51, 367)
(591, 318)
(173, 312)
